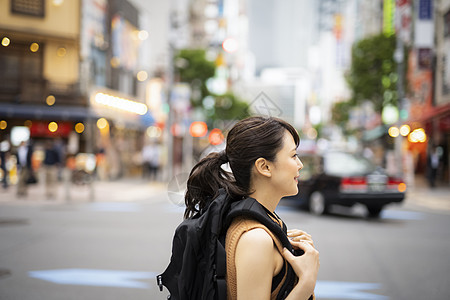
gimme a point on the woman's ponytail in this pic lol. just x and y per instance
(205, 180)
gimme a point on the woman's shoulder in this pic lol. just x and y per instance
(249, 233)
(254, 247)
(258, 237)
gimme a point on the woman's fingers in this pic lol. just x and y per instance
(302, 239)
(309, 251)
(298, 235)
(305, 246)
(310, 242)
(296, 232)
(288, 255)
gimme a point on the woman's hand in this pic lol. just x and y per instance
(298, 235)
(305, 266)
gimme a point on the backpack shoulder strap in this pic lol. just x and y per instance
(250, 208)
(238, 227)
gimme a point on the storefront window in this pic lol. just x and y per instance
(34, 8)
(21, 72)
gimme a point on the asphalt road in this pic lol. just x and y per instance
(112, 250)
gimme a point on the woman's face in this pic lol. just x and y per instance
(286, 167)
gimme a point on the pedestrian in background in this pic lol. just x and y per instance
(51, 164)
(24, 167)
(4, 149)
(432, 165)
(151, 157)
(60, 148)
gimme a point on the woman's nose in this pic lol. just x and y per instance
(300, 164)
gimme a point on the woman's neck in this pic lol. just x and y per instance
(266, 198)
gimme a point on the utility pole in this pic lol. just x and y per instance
(399, 58)
(170, 83)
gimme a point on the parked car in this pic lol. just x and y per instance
(341, 178)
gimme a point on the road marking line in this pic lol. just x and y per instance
(93, 277)
(135, 279)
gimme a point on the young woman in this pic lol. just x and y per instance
(262, 155)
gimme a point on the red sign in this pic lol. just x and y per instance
(41, 129)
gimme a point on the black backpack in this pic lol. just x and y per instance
(197, 268)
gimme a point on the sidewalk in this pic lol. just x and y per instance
(124, 190)
(421, 196)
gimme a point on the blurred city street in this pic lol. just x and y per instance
(107, 105)
(113, 247)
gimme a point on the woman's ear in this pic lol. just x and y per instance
(262, 167)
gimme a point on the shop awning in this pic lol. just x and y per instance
(72, 113)
(41, 112)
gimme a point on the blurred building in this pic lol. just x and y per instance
(438, 116)
(71, 70)
(422, 26)
(221, 27)
(427, 101)
(305, 39)
(39, 63)
(367, 18)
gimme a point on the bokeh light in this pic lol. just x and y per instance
(394, 131)
(6, 41)
(121, 103)
(417, 136)
(61, 52)
(102, 123)
(216, 137)
(198, 129)
(405, 130)
(79, 127)
(34, 47)
(142, 76)
(53, 126)
(230, 45)
(50, 100)
(143, 35)
(153, 132)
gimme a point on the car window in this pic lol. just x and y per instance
(345, 164)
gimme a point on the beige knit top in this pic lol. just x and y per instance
(235, 231)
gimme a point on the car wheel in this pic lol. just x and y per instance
(374, 211)
(317, 204)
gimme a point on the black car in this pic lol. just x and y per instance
(341, 178)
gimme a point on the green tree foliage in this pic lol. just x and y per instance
(192, 67)
(373, 73)
(340, 113)
(229, 107)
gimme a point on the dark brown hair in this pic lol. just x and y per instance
(247, 141)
